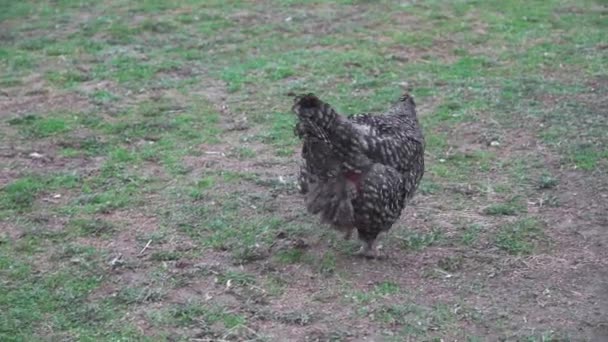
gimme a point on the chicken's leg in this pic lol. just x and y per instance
(368, 250)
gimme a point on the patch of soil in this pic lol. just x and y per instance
(40, 100)
(9, 231)
(41, 157)
(440, 49)
(128, 241)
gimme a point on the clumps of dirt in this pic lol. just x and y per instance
(473, 136)
(250, 18)
(215, 158)
(42, 157)
(215, 91)
(224, 156)
(598, 82)
(20, 156)
(34, 96)
(132, 228)
(440, 49)
(9, 232)
(177, 73)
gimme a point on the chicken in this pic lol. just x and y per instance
(359, 172)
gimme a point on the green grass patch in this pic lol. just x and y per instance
(92, 227)
(194, 313)
(205, 183)
(281, 134)
(547, 181)
(586, 157)
(521, 237)
(34, 126)
(470, 235)
(512, 207)
(290, 256)
(30, 297)
(327, 263)
(416, 320)
(66, 79)
(20, 194)
(417, 241)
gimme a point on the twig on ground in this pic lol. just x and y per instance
(145, 247)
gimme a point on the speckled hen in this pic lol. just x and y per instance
(359, 172)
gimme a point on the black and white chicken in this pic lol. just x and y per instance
(359, 172)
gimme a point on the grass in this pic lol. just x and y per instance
(35, 127)
(511, 207)
(417, 241)
(415, 320)
(21, 193)
(292, 256)
(184, 315)
(520, 237)
(58, 294)
(95, 227)
(547, 181)
(122, 127)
